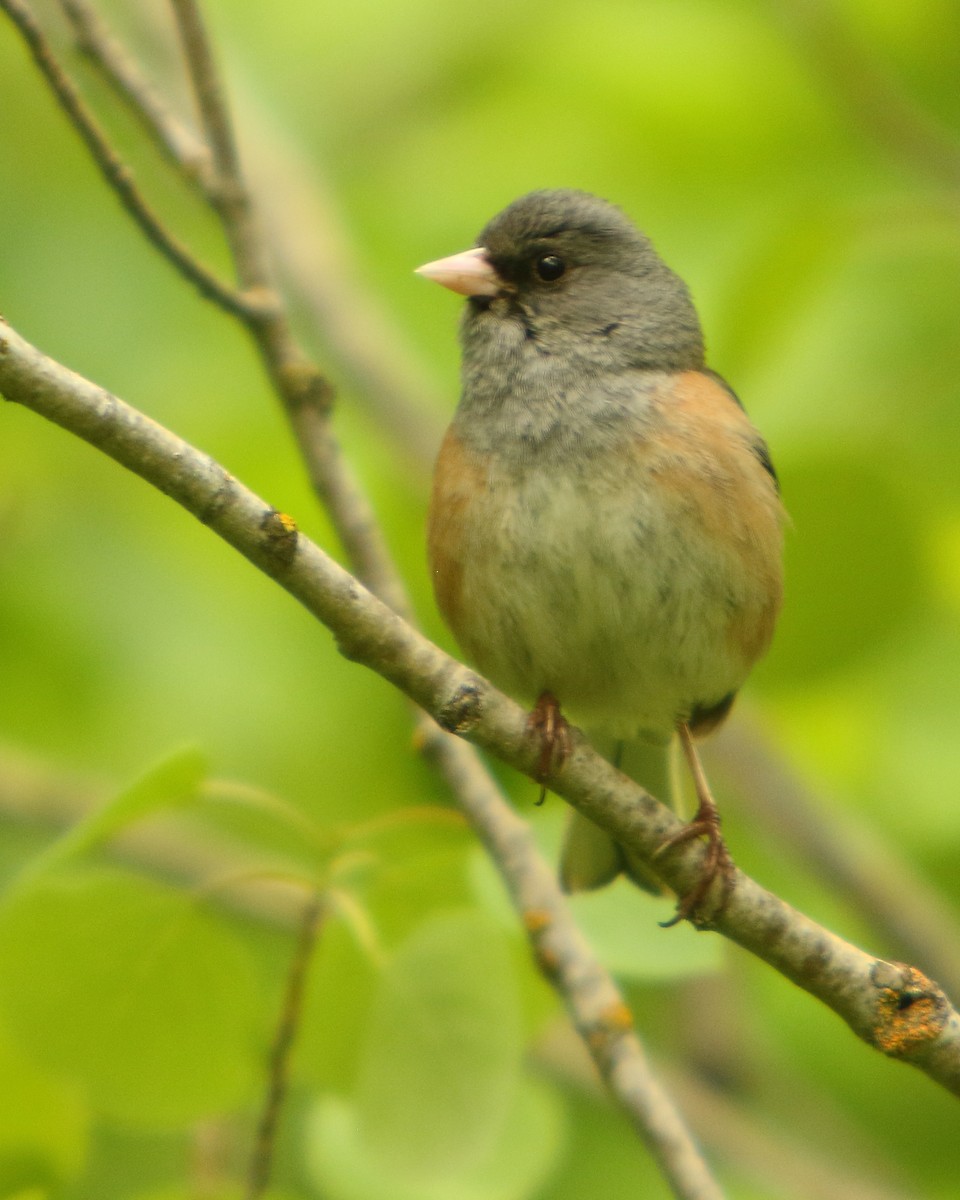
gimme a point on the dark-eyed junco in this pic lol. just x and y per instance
(605, 529)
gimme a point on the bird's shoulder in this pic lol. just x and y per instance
(696, 416)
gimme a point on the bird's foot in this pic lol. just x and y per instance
(549, 725)
(717, 864)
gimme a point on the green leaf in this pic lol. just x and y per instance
(133, 991)
(43, 1126)
(345, 1166)
(442, 1059)
(173, 782)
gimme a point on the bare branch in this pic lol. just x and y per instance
(262, 1159)
(117, 174)
(305, 235)
(891, 1006)
(182, 147)
(322, 270)
(307, 395)
(304, 390)
(370, 632)
(230, 194)
(871, 94)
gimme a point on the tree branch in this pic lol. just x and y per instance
(306, 239)
(229, 194)
(370, 632)
(180, 145)
(873, 97)
(116, 173)
(307, 396)
(262, 1159)
(891, 1006)
(305, 391)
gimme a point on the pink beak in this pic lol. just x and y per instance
(469, 273)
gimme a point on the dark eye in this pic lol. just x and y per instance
(550, 267)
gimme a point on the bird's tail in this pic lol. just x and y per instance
(590, 857)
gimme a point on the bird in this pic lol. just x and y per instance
(605, 528)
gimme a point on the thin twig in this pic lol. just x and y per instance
(307, 395)
(878, 103)
(117, 174)
(305, 235)
(322, 269)
(181, 146)
(271, 541)
(623, 1063)
(893, 1007)
(261, 1161)
(305, 391)
(230, 194)
(595, 1005)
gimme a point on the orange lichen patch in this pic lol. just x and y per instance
(536, 920)
(909, 1015)
(617, 1018)
(548, 962)
(280, 534)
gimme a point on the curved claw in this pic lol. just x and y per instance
(717, 862)
(548, 723)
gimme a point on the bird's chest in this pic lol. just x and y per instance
(570, 574)
(561, 539)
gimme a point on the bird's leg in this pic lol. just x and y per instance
(548, 723)
(717, 863)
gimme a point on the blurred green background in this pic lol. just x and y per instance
(799, 164)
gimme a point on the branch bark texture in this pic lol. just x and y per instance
(370, 632)
(307, 395)
(891, 1006)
